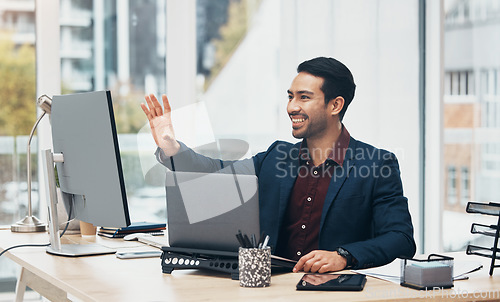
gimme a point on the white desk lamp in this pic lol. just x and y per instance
(30, 223)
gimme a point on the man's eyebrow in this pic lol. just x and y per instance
(301, 92)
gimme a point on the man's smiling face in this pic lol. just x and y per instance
(306, 106)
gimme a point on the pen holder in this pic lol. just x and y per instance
(254, 267)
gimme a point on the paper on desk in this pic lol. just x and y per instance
(389, 272)
(392, 272)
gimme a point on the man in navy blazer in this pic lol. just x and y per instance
(331, 202)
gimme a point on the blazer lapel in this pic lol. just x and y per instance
(338, 178)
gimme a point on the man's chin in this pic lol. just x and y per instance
(297, 134)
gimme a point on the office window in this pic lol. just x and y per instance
(495, 81)
(120, 46)
(464, 185)
(466, 12)
(490, 101)
(490, 163)
(484, 81)
(472, 124)
(455, 83)
(452, 185)
(237, 39)
(459, 83)
(17, 117)
(447, 83)
(18, 114)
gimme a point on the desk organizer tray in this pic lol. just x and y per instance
(491, 209)
(435, 271)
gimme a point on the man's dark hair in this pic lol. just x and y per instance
(337, 79)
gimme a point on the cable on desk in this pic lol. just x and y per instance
(23, 245)
(42, 244)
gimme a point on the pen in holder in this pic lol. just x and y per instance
(254, 266)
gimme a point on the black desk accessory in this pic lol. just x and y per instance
(426, 274)
(492, 209)
(186, 258)
(221, 261)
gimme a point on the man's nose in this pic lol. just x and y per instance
(292, 106)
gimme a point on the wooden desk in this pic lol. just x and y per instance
(106, 278)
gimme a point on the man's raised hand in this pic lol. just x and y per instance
(160, 122)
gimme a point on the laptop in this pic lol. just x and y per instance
(206, 210)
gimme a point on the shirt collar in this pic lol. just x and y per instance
(337, 154)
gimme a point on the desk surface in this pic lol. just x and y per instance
(107, 278)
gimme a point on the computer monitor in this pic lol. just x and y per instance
(90, 171)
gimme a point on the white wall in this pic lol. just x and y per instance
(378, 41)
(48, 76)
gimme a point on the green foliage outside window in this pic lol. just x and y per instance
(232, 33)
(17, 87)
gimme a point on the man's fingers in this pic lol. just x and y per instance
(325, 269)
(321, 262)
(157, 107)
(309, 264)
(145, 109)
(150, 105)
(318, 265)
(302, 261)
(166, 104)
(154, 108)
(298, 266)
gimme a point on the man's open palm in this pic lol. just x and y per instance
(160, 122)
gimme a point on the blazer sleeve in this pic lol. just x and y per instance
(187, 160)
(393, 229)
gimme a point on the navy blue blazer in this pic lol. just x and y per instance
(364, 211)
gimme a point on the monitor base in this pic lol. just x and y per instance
(78, 250)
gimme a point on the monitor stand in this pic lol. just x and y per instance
(55, 247)
(78, 250)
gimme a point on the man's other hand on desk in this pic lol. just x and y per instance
(320, 262)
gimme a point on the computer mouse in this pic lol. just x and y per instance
(135, 236)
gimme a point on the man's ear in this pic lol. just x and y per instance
(336, 105)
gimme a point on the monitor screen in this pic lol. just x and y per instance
(84, 131)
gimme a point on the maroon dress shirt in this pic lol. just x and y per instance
(299, 233)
